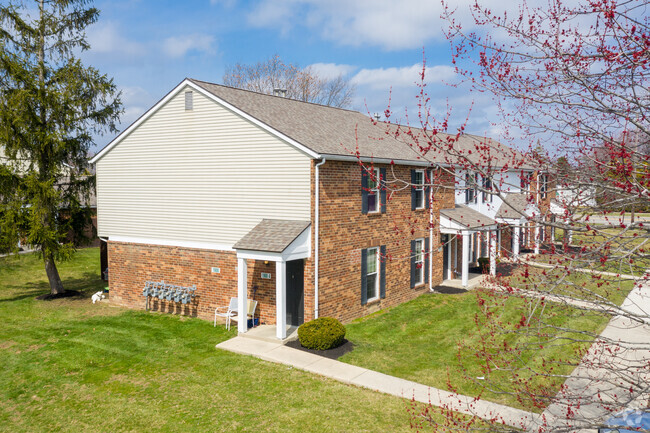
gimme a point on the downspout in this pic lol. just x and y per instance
(316, 250)
(430, 198)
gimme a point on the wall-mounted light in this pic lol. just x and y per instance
(266, 262)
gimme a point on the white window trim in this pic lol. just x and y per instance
(542, 194)
(376, 190)
(420, 270)
(376, 297)
(421, 205)
(487, 196)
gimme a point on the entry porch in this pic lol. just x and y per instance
(288, 245)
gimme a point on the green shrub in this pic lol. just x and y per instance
(321, 334)
(484, 264)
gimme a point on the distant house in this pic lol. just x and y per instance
(257, 196)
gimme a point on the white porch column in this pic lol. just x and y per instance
(537, 242)
(465, 264)
(515, 242)
(493, 253)
(242, 302)
(281, 299)
(450, 266)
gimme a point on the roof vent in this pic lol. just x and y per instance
(188, 101)
(376, 116)
(280, 92)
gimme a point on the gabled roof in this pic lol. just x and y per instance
(467, 217)
(272, 235)
(323, 131)
(516, 206)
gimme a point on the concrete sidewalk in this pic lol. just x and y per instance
(358, 376)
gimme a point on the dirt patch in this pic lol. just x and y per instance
(66, 294)
(334, 353)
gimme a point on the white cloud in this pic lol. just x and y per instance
(329, 71)
(178, 46)
(389, 24)
(407, 76)
(136, 101)
(107, 37)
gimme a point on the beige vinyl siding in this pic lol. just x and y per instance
(200, 176)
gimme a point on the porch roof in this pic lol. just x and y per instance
(516, 207)
(467, 217)
(272, 235)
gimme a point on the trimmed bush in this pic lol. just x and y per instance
(321, 334)
(484, 264)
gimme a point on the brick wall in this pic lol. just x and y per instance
(132, 264)
(345, 231)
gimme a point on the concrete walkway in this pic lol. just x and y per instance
(358, 376)
(614, 370)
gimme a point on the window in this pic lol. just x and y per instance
(542, 182)
(487, 187)
(372, 274)
(524, 181)
(470, 187)
(373, 190)
(419, 261)
(418, 186)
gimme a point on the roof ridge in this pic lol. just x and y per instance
(274, 96)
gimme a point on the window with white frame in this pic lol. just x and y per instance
(542, 185)
(419, 189)
(524, 181)
(419, 261)
(372, 274)
(373, 190)
(487, 188)
(470, 187)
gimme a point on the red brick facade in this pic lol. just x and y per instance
(345, 231)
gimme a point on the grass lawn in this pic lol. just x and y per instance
(579, 285)
(71, 366)
(419, 340)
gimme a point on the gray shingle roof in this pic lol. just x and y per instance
(515, 206)
(336, 131)
(467, 217)
(271, 235)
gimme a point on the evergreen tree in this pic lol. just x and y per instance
(51, 105)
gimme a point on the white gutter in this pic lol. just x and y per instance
(316, 238)
(352, 158)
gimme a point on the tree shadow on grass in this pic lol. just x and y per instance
(86, 285)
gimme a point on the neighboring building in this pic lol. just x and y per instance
(258, 196)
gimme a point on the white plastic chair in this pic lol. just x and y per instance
(228, 312)
(250, 314)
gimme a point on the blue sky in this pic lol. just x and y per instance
(150, 46)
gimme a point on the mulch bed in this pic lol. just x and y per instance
(447, 290)
(66, 294)
(334, 353)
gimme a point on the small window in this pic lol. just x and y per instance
(470, 187)
(419, 189)
(189, 103)
(372, 274)
(542, 181)
(524, 181)
(419, 261)
(487, 188)
(373, 191)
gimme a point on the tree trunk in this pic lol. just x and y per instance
(56, 286)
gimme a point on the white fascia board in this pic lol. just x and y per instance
(170, 243)
(174, 92)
